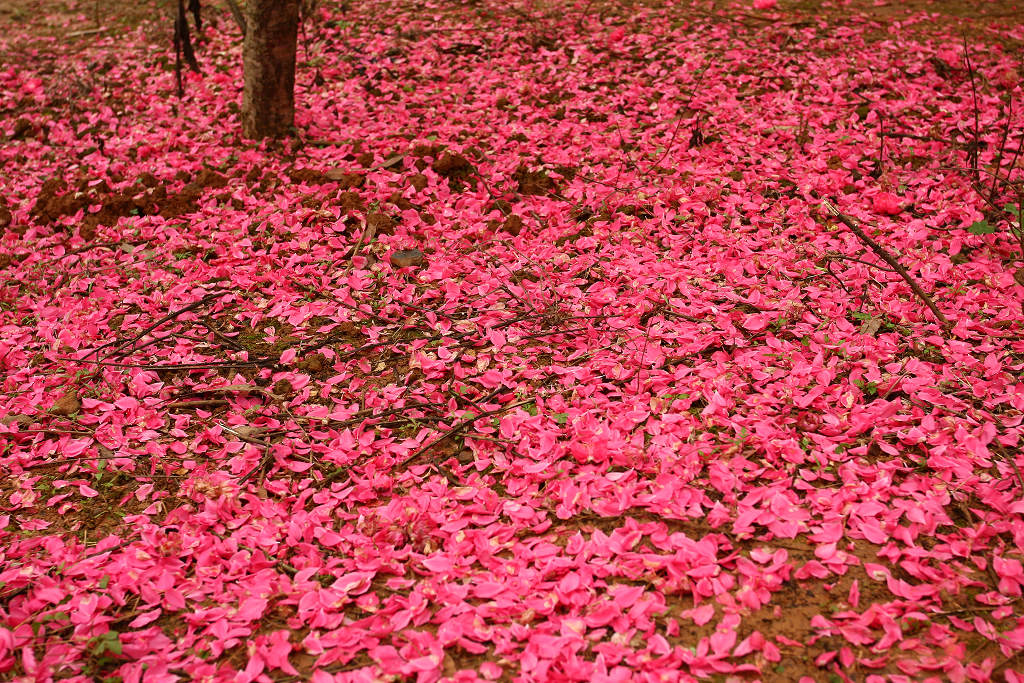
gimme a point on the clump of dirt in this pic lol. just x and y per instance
(419, 181)
(187, 201)
(22, 127)
(351, 201)
(283, 387)
(5, 260)
(55, 200)
(513, 225)
(5, 218)
(381, 223)
(149, 180)
(426, 151)
(453, 166)
(207, 179)
(534, 182)
(312, 363)
(401, 202)
(68, 404)
(146, 197)
(585, 231)
(502, 205)
(306, 175)
(346, 180)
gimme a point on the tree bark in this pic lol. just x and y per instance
(268, 53)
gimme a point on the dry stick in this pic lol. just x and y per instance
(857, 260)
(268, 455)
(201, 403)
(459, 426)
(228, 365)
(999, 156)
(79, 250)
(170, 316)
(233, 343)
(976, 153)
(881, 252)
(881, 144)
(365, 236)
(915, 136)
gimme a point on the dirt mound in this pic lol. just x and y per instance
(5, 218)
(147, 196)
(533, 182)
(419, 181)
(513, 225)
(346, 180)
(351, 201)
(55, 200)
(454, 166)
(426, 151)
(381, 223)
(306, 175)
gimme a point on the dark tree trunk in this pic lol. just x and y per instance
(268, 102)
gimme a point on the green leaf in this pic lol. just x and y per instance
(560, 418)
(109, 642)
(981, 228)
(104, 582)
(114, 643)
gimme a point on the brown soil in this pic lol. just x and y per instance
(350, 201)
(453, 166)
(536, 182)
(147, 195)
(78, 22)
(380, 223)
(417, 180)
(982, 19)
(68, 404)
(513, 225)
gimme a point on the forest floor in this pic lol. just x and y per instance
(563, 341)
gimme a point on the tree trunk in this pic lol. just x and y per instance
(268, 53)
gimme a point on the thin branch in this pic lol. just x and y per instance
(460, 426)
(365, 236)
(170, 316)
(976, 152)
(883, 254)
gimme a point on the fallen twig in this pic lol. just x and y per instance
(883, 254)
(202, 403)
(459, 426)
(974, 153)
(365, 236)
(86, 32)
(167, 318)
(226, 365)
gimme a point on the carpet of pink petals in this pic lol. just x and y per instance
(645, 411)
